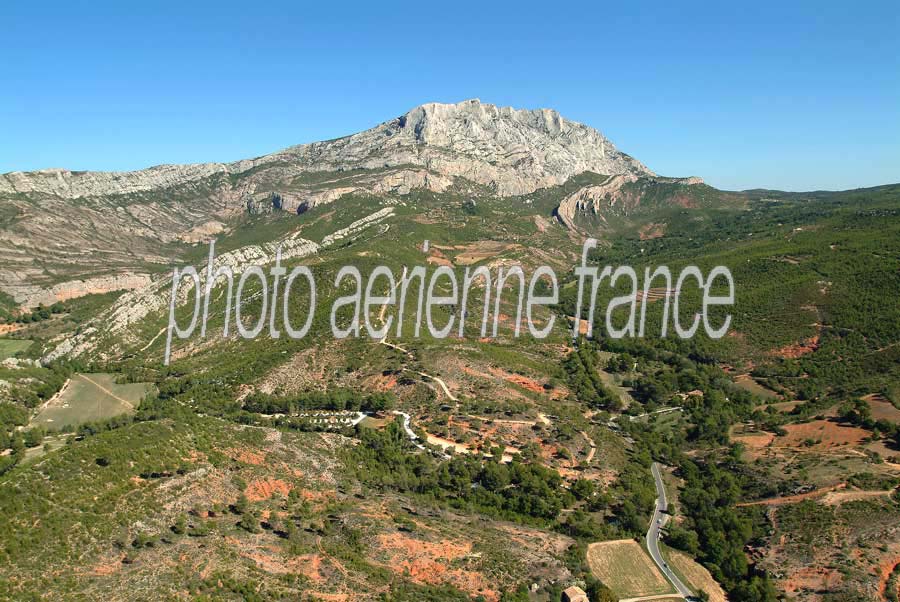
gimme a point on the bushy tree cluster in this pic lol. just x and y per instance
(332, 400)
(719, 532)
(581, 368)
(524, 491)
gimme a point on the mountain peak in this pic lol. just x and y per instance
(473, 111)
(514, 151)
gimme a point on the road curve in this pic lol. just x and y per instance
(408, 429)
(653, 534)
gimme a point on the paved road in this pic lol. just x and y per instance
(656, 524)
(408, 430)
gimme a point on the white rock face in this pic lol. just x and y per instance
(610, 196)
(154, 298)
(358, 226)
(589, 198)
(32, 296)
(514, 151)
(72, 185)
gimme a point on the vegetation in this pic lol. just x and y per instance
(581, 367)
(816, 322)
(522, 491)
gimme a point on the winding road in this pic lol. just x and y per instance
(653, 534)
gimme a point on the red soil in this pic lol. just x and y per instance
(431, 563)
(799, 349)
(650, 231)
(812, 579)
(885, 569)
(823, 433)
(522, 381)
(263, 489)
(247, 456)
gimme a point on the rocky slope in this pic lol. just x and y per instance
(512, 151)
(60, 229)
(614, 196)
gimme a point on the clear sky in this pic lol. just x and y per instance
(788, 95)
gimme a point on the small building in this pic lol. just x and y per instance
(574, 594)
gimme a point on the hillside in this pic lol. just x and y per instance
(472, 467)
(114, 231)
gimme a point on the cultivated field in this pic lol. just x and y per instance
(90, 397)
(695, 574)
(785, 407)
(626, 569)
(10, 347)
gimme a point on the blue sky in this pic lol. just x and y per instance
(789, 95)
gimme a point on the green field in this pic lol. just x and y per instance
(10, 347)
(90, 397)
(749, 384)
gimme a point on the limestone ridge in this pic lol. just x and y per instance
(514, 151)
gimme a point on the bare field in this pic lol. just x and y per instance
(697, 575)
(785, 407)
(882, 409)
(485, 249)
(626, 569)
(821, 434)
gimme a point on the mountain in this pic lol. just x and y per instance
(514, 151)
(67, 233)
(511, 151)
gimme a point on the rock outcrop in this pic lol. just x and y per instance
(589, 198)
(134, 306)
(32, 296)
(616, 196)
(357, 226)
(510, 150)
(116, 323)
